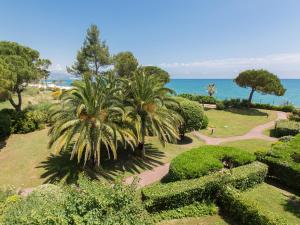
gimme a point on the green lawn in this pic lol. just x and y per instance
(251, 145)
(274, 200)
(236, 122)
(205, 220)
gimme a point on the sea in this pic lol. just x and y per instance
(227, 89)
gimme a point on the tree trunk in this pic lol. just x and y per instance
(251, 95)
(18, 106)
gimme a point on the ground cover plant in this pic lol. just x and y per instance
(206, 159)
(285, 128)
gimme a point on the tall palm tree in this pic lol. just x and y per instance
(87, 120)
(211, 89)
(148, 101)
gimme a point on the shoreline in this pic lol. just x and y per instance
(50, 86)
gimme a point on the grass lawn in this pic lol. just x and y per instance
(274, 200)
(236, 122)
(251, 145)
(205, 220)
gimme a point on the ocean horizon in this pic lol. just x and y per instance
(227, 89)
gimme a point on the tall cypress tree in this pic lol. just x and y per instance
(93, 55)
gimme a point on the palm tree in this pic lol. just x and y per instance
(211, 89)
(87, 120)
(148, 101)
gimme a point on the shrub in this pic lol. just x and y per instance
(284, 108)
(220, 105)
(5, 124)
(192, 114)
(175, 194)
(91, 202)
(202, 99)
(244, 210)
(285, 128)
(295, 116)
(235, 103)
(201, 161)
(283, 162)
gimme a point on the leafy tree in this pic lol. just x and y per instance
(193, 116)
(92, 56)
(125, 63)
(87, 119)
(19, 65)
(261, 81)
(149, 100)
(211, 89)
(156, 71)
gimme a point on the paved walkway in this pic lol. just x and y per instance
(157, 173)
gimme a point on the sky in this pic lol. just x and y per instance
(188, 38)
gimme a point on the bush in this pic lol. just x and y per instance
(284, 108)
(192, 114)
(220, 105)
(204, 160)
(91, 202)
(244, 210)
(236, 103)
(202, 99)
(295, 116)
(284, 164)
(285, 128)
(180, 193)
(5, 124)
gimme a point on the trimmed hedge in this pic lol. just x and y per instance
(246, 211)
(286, 128)
(284, 162)
(201, 161)
(202, 99)
(196, 209)
(175, 194)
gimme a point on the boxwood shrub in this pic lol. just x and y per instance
(175, 194)
(286, 128)
(284, 162)
(245, 210)
(201, 161)
(202, 99)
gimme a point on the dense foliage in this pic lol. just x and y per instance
(261, 81)
(163, 75)
(91, 202)
(193, 116)
(202, 99)
(285, 128)
(125, 64)
(284, 162)
(175, 194)
(245, 211)
(204, 160)
(19, 65)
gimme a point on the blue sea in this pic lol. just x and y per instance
(227, 89)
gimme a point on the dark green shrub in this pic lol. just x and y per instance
(295, 116)
(202, 99)
(175, 194)
(220, 105)
(235, 103)
(192, 114)
(285, 128)
(245, 211)
(5, 124)
(283, 165)
(201, 161)
(284, 108)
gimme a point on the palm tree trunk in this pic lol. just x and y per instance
(141, 144)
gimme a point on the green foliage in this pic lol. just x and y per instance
(284, 162)
(286, 128)
(261, 81)
(200, 98)
(195, 209)
(175, 194)
(245, 211)
(91, 202)
(5, 125)
(19, 65)
(125, 63)
(220, 105)
(204, 160)
(156, 71)
(283, 108)
(295, 116)
(192, 114)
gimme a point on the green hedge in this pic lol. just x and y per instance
(244, 210)
(201, 161)
(202, 99)
(284, 162)
(175, 194)
(285, 128)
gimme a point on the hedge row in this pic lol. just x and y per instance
(202, 99)
(284, 162)
(244, 210)
(175, 194)
(201, 161)
(286, 128)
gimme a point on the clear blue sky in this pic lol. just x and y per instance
(189, 38)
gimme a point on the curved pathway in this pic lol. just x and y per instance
(157, 173)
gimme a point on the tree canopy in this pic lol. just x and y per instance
(19, 65)
(93, 55)
(125, 63)
(156, 71)
(261, 81)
